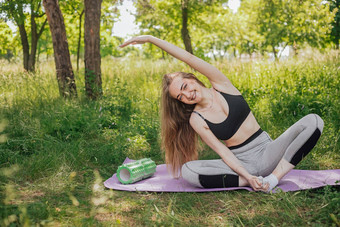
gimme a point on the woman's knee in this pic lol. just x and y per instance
(296, 153)
(316, 121)
(319, 122)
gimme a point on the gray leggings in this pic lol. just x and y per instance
(259, 157)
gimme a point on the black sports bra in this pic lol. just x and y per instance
(238, 112)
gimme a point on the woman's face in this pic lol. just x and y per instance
(185, 90)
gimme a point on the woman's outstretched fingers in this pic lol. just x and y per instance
(128, 42)
(136, 40)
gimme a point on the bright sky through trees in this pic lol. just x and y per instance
(234, 5)
(125, 26)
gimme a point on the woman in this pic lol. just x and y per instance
(223, 120)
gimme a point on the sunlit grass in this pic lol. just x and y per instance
(55, 153)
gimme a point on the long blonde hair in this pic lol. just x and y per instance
(179, 140)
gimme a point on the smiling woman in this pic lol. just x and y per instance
(185, 87)
(224, 121)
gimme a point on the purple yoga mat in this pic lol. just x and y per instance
(162, 181)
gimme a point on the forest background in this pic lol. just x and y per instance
(74, 105)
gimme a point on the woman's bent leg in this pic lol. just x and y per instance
(288, 149)
(211, 174)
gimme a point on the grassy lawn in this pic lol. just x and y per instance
(55, 153)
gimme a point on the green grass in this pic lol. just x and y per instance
(55, 153)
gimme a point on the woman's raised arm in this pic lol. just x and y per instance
(215, 76)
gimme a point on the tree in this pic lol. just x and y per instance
(248, 38)
(223, 31)
(172, 20)
(19, 12)
(184, 31)
(65, 76)
(45, 46)
(335, 33)
(6, 38)
(214, 30)
(74, 10)
(108, 41)
(285, 22)
(79, 37)
(93, 81)
(161, 19)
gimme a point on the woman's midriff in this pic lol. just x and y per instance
(247, 129)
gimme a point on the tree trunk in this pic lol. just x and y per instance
(39, 51)
(185, 32)
(19, 19)
(93, 81)
(65, 76)
(275, 53)
(35, 35)
(295, 48)
(25, 45)
(18, 10)
(79, 38)
(34, 42)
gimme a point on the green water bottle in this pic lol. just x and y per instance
(135, 171)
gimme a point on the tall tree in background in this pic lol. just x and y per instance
(93, 81)
(17, 12)
(248, 38)
(35, 32)
(335, 34)
(294, 23)
(6, 44)
(160, 19)
(171, 20)
(184, 31)
(79, 37)
(73, 11)
(108, 41)
(65, 76)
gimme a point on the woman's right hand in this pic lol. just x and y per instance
(257, 184)
(137, 40)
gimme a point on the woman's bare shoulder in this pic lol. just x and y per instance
(227, 88)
